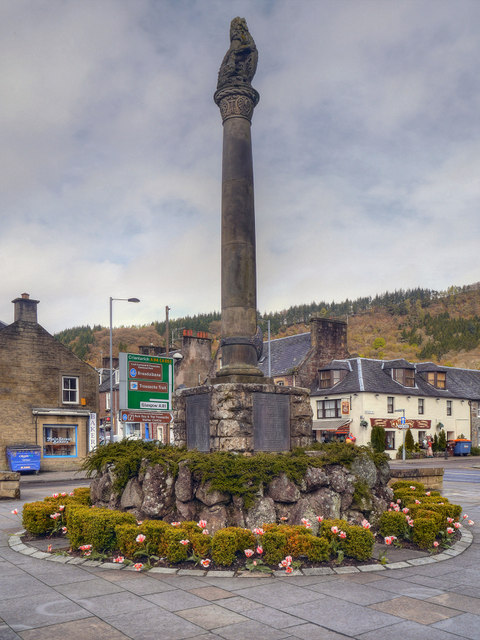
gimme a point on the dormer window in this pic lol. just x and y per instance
(406, 377)
(331, 377)
(437, 379)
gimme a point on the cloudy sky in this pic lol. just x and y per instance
(366, 148)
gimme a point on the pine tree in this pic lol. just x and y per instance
(409, 441)
(378, 439)
(442, 441)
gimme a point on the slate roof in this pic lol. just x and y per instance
(374, 377)
(2, 325)
(286, 353)
(105, 386)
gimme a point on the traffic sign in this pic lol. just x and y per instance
(146, 382)
(164, 417)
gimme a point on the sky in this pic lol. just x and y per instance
(366, 151)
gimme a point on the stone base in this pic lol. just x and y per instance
(9, 485)
(243, 417)
(431, 477)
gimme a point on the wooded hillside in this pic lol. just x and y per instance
(416, 324)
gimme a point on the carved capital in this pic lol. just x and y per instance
(236, 102)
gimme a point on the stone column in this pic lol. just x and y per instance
(237, 99)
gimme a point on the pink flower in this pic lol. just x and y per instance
(399, 501)
(436, 543)
(64, 529)
(405, 510)
(320, 518)
(138, 566)
(202, 524)
(85, 547)
(71, 493)
(450, 520)
(366, 524)
(259, 550)
(396, 508)
(119, 559)
(87, 553)
(284, 518)
(176, 524)
(410, 523)
(63, 494)
(427, 493)
(288, 559)
(140, 538)
(342, 535)
(49, 548)
(205, 563)
(465, 516)
(61, 507)
(412, 487)
(417, 502)
(15, 512)
(139, 522)
(258, 531)
(306, 523)
(254, 562)
(334, 529)
(55, 495)
(248, 553)
(471, 522)
(54, 516)
(457, 525)
(392, 504)
(184, 542)
(205, 532)
(288, 569)
(450, 530)
(390, 539)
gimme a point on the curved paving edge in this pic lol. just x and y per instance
(460, 546)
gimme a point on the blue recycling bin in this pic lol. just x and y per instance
(24, 457)
(462, 447)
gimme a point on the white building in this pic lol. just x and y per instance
(355, 394)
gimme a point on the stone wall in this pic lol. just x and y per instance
(327, 491)
(231, 415)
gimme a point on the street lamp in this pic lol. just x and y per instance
(112, 403)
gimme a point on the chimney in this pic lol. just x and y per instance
(329, 337)
(25, 309)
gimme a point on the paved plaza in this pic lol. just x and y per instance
(42, 600)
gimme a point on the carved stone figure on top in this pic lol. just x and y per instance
(240, 61)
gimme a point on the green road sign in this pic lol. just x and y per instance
(146, 382)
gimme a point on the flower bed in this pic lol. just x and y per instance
(415, 517)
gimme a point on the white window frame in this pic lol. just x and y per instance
(69, 390)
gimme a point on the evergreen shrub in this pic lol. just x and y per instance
(95, 527)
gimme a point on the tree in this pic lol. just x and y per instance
(378, 439)
(442, 440)
(409, 441)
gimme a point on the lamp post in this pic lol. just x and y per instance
(112, 403)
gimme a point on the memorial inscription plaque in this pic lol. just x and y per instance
(271, 422)
(197, 420)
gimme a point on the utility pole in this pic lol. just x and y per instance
(167, 332)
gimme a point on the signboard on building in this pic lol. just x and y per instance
(396, 423)
(163, 417)
(345, 408)
(146, 382)
(92, 431)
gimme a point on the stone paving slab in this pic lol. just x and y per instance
(252, 629)
(414, 609)
(211, 616)
(466, 625)
(78, 630)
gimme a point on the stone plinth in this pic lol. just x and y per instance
(9, 485)
(431, 477)
(243, 418)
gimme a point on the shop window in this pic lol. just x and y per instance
(69, 390)
(421, 406)
(389, 440)
(329, 409)
(60, 441)
(132, 430)
(449, 407)
(390, 404)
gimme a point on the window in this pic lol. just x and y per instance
(422, 439)
(437, 379)
(404, 376)
(331, 377)
(421, 406)
(389, 440)
(59, 440)
(329, 409)
(390, 404)
(449, 407)
(69, 390)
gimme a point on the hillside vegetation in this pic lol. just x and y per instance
(416, 324)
